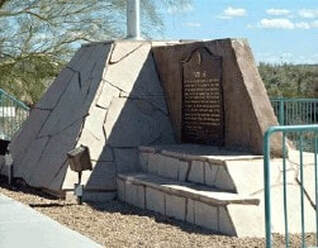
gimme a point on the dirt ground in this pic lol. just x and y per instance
(116, 224)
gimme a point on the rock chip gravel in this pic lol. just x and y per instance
(116, 224)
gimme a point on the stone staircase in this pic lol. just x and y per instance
(189, 183)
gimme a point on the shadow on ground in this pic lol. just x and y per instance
(19, 185)
(43, 201)
(117, 206)
(114, 206)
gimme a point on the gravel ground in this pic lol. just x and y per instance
(116, 224)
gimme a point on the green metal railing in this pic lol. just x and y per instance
(296, 111)
(12, 115)
(301, 130)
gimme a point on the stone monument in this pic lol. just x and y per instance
(112, 97)
(174, 127)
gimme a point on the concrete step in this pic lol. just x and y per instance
(197, 204)
(211, 166)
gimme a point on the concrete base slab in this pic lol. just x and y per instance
(21, 226)
(203, 185)
(207, 165)
(189, 202)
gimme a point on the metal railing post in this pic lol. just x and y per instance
(281, 112)
(296, 111)
(267, 179)
(267, 193)
(12, 114)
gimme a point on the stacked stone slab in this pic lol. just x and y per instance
(220, 190)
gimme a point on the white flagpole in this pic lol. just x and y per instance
(133, 20)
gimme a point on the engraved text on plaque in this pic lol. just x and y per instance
(202, 107)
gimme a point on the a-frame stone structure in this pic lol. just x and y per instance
(108, 98)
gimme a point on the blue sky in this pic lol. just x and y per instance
(278, 30)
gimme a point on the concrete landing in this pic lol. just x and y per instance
(200, 152)
(188, 190)
(196, 204)
(21, 226)
(211, 166)
(219, 189)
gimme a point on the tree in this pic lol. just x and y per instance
(289, 80)
(37, 37)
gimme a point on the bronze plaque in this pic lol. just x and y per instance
(202, 106)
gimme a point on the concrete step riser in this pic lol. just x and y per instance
(240, 176)
(215, 218)
(195, 171)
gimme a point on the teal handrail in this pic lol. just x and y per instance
(296, 111)
(18, 102)
(267, 178)
(294, 99)
(12, 115)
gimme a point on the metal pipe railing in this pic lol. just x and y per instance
(301, 129)
(12, 115)
(296, 111)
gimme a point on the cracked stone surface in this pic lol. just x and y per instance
(125, 79)
(108, 98)
(126, 118)
(100, 151)
(50, 99)
(95, 121)
(54, 156)
(31, 159)
(20, 145)
(123, 49)
(66, 112)
(39, 150)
